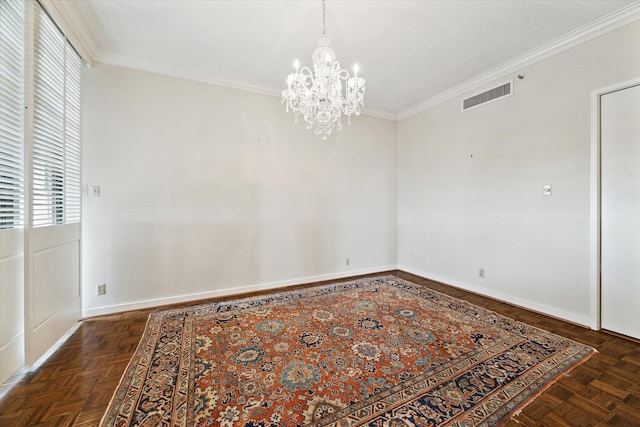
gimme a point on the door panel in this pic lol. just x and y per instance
(11, 302)
(55, 286)
(620, 204)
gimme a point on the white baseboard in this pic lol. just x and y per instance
(510, 299)
(138, 305)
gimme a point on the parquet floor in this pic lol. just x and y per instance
(74, 386)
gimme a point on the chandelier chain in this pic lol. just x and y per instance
(324, 22)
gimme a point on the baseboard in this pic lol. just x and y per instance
(509, 299)
(499, 296)
(138, 305)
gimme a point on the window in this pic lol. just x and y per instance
(56, 127)
(12, 35)
(55, 187)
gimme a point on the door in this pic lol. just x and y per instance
(620, 211)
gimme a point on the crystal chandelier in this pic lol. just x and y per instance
(322, 96)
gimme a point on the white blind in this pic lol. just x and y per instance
(12, 26)
(72, 189)
(56, 127)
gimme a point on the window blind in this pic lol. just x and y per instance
(56, 127)
(72, 190)
(12, 36)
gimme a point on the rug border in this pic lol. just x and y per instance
(517, 410)
(274, 295)
(522, 405)
(496, 313)
(126, 370)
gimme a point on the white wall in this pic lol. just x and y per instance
(470, 184)
(207, 190)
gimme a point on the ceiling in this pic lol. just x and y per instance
(408, 51)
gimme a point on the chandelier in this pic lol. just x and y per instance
(322, 96)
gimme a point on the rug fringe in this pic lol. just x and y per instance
(544, 388)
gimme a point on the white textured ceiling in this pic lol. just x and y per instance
(408, 51)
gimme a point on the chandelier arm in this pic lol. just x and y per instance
(307, 77)
(344, 74)
(307, 71)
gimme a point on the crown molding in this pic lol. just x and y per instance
(66, 16)
(380, 114)
(141, 64)
(136, 63)
(585, 33)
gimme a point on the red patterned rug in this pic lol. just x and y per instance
(377, 352)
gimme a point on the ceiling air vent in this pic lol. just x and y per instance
(487, 96)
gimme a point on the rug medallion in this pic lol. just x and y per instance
(375, 352)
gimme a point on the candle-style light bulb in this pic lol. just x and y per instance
(296, 64)
(356, 69)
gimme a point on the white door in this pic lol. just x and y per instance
(620, 203)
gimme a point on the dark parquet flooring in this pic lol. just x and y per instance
(74, 386)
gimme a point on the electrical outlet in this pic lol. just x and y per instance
(481, 273)
(102, 289)
(347, 262)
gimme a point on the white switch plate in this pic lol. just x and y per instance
(546, 190)
(95, 191)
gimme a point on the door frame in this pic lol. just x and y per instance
(595, 249)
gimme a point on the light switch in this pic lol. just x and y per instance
(95, 191)
(546, 190)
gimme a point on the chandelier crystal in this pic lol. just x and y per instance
(322, 96)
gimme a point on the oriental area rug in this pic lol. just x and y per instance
(377, 351)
